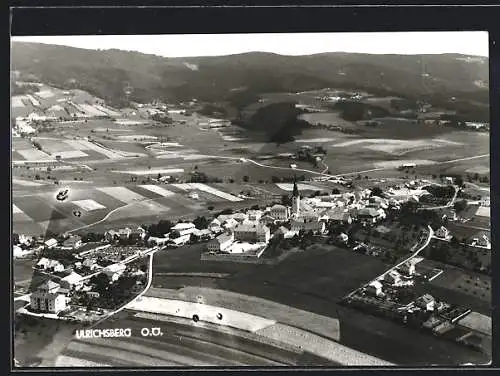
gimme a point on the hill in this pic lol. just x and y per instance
(106, 73)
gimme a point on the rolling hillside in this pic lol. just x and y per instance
(105, 73)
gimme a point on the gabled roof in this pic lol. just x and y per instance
(183, 226)
(49, 285)
(278, 207)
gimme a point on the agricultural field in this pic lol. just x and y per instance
(327, 273)
(40, 211)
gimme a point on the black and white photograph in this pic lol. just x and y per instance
(251, 200)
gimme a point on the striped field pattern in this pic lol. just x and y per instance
(121, 193)
(158, 190)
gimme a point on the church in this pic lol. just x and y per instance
(303, 216)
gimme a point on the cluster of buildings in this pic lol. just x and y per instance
(309, 214)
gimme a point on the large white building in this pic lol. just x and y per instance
(220, 243)
(252, 232)
(184, 228)
(48, 298)
(280, 212)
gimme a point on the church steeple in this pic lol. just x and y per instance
(295, 200)
(295, 189)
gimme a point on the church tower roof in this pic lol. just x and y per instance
(295, 190)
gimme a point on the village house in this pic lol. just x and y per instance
(230, 223)
(51, 243)
(72, 242)
(90, 262)
(426, 302)
(215, 226)
(72, 281)
(408, 268)
(481, 239)
(183, 228)
(317, 227)
(393, 278)
(267, 219)
(368, 215)
(49, 265)
(254, 215)
(48, 298)
(114, 271)
(121, 234)
(342, 238)
(180, 240)
(280, 212)
(252, 232)
(443, 233)
(138, 234)
(153, 240)
(204, 234)
(339, 216)
(220, 243)
(375, 288)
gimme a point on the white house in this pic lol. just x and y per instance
(426, 302)
(114, 271)
(408, 268)
(254, 215)
(220, 243)
(51, 243)
(181, 240)
(72, 281)
(393, 278)
(369, 215)
(252, 232)
(73, 242)
(47, 298)
(343, 238)
(317, 227)
(280, 212)
(182, 228)
(443, 233)
(215, 226)
(375, 288)
(50, 265)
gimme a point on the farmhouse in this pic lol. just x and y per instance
(254, 215)
(121, 234)
(408, 268)
(280, 212)
(157, 241)
(180, 240)
(73, 242)
(215, 226)
(114, 271)
(72, 281)
(426, 302)
(183, 228)
(48, 298)
(369, 215)
(481, 239)
(252, 232)
(375, 288)
(220, 243)
(317, 227)
(51, 243)
(339, 216)
(443, 233)
(393, 278)
(49, 265)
